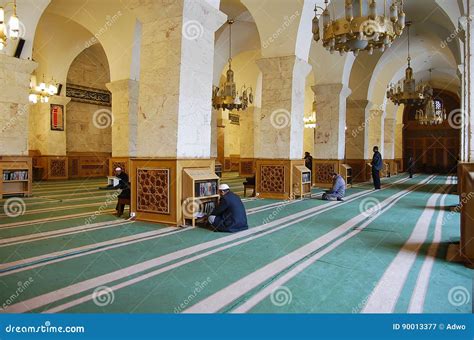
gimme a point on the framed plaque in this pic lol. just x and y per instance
(57, 117)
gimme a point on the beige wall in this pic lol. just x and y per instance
(89, 69)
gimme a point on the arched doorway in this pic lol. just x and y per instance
(435, 148)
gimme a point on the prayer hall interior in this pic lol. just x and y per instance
(187, 95)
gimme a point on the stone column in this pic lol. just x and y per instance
(48, 142)
(281, 128)
(399, 141)
(174, 107)
(15, 77)
(330, 136)
(248, 127)
(389, 138)
(375, 124)
(176, 68)
(125, 116)
(357, 137)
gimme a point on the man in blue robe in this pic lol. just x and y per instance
(338, 190)
(377, 165)
(229, 216)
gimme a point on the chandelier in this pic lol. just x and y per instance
(42, 92)
(13, 26)
(406, 92)
(364, 27)
(310, 122)
(432, 113)
(227, 97)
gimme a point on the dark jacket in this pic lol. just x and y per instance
(124, 185)
(308, 162)
(230, 214)
(377, 163)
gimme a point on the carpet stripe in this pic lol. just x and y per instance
(385, 295)
(107, 278)
(222, 298)
(417, 300)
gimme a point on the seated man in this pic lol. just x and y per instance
(229, 216)
(338, 190)
(124, 185)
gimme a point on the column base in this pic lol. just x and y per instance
(322, 169)
(274, 178)
(158, 187)
(247, 167)
(361, 172)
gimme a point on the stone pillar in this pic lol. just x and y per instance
(281, 129)
(399, 141)
(15, 77)
(357, 137)
(330, 136)
(176, 68)
(375, 124)
(125, 114)
(214, 141)
(248, 127)
(389, 138)
(48, 142)
(174, 107)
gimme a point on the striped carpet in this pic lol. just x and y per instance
(385, 251)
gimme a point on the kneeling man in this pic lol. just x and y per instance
(229, 216)
(338, 190)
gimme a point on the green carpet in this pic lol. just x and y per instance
(305, 256)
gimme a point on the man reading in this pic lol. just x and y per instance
(229, 216)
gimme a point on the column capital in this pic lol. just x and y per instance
(358, 103)
(281, 65)
(17, 65)
(331, 89)
(61, 100)
(122, 85)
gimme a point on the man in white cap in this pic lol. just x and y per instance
(124, 185)
(229, 216)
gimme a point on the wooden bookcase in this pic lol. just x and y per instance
(301, 181)
(16, 176)
(346, 173)
(200, 194)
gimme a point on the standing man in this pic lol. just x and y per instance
(308, 160)
(229, 216)
(377, 164)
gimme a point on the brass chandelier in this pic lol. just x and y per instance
(365, 26)
(13, 28)
(227, 97)
(406, 92)
(431, 113)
